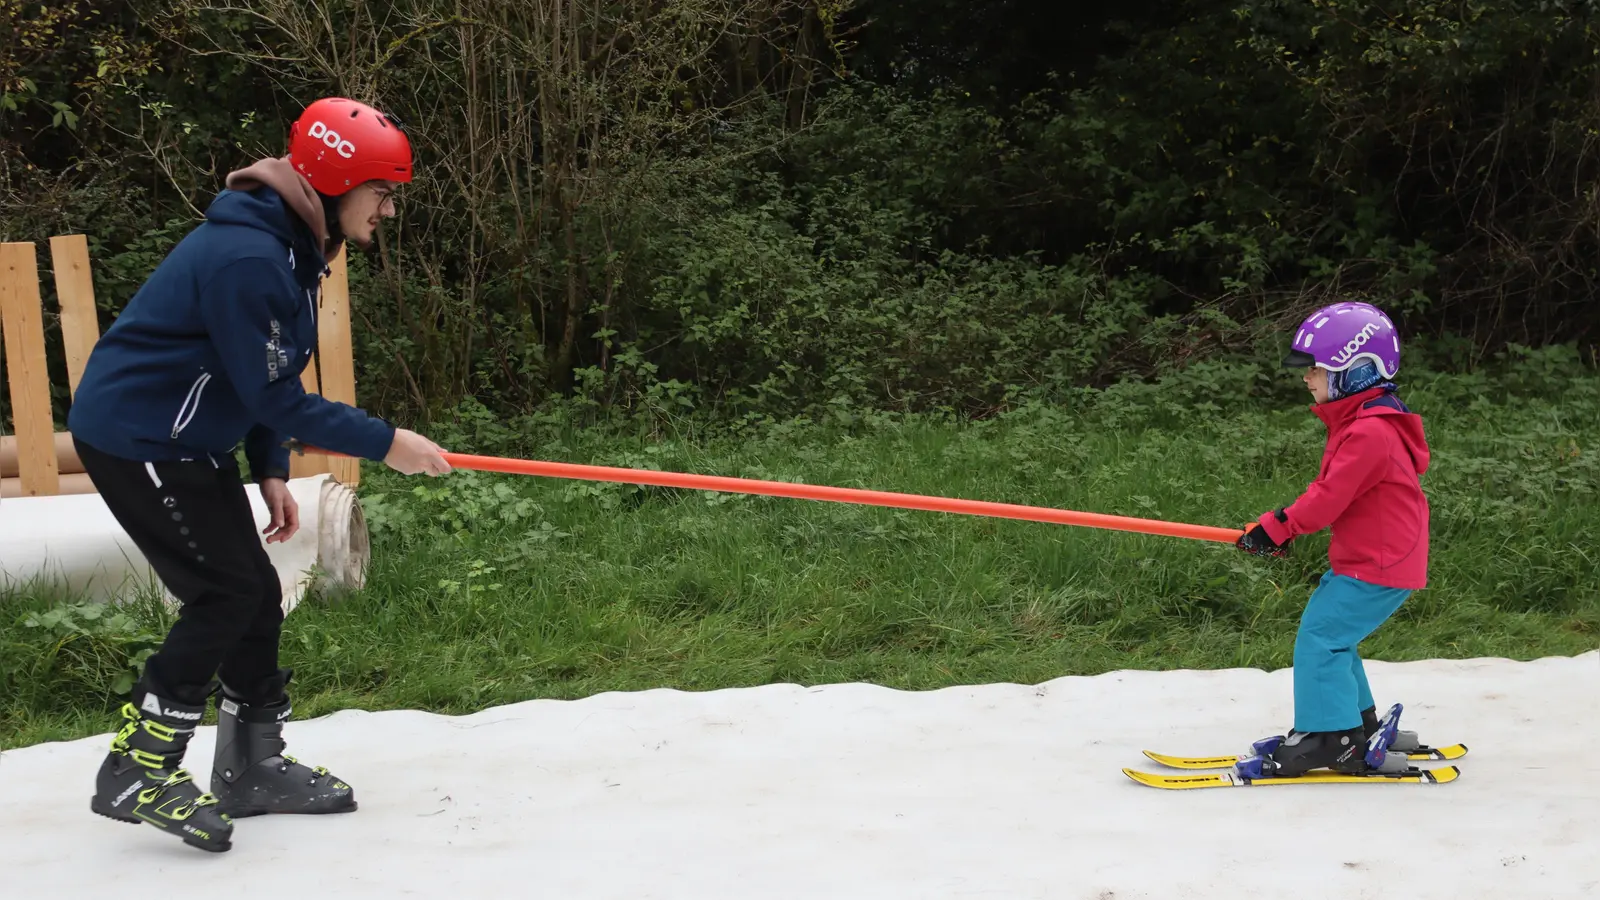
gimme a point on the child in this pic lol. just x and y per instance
(1368, 492)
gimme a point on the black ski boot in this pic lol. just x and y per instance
(142, 779)
(1300, 752)
(1355, 751)
(251, 776)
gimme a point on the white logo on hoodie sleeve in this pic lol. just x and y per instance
(277, 359)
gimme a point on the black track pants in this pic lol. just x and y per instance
(192, 521)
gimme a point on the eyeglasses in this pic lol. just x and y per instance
(385, 195)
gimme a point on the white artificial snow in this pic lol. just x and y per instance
(852, 790)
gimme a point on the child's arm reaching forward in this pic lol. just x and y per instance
(1357, 465)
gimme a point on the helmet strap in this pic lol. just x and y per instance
(330, 215)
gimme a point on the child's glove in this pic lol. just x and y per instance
(1255, 540)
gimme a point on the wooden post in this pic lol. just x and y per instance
(313, 464)
(80, 323)
(337, 361)
(22, 318)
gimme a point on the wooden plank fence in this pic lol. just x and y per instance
(35, 459)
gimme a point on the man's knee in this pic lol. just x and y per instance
(269, 608)
(227, 607)
(235, 597)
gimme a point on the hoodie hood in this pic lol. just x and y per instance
(1375, 403)
(298, 196)
(1408, 425)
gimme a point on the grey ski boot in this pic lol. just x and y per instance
(252, 776)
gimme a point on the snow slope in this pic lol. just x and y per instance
(851, 790)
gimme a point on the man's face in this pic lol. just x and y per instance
(363, 208)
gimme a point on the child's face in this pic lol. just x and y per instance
(1316, 379)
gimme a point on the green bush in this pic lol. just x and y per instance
(950, 216)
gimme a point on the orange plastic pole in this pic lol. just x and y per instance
(833, 494)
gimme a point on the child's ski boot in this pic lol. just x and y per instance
(251, 776)
(142, 779)
(1380, 741)
(1404, 741)
(1355, 751)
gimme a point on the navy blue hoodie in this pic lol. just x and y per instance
(209, 352)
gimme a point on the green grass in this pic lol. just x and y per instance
(491, 589)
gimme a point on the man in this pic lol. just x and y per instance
(208, 354)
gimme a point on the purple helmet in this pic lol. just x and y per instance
(1338, 337)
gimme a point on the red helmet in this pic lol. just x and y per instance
(338, 143)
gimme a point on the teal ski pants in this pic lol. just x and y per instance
(1330, 685)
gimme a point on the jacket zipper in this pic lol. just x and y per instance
(186, 413)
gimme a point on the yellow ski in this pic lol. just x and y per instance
(1231, 778)
(1421, 754)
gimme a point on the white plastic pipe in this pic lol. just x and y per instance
(72, 542)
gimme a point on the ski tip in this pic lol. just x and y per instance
(1191, 762)
(1148, 779)
(1444, 774)
(1180, 782)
